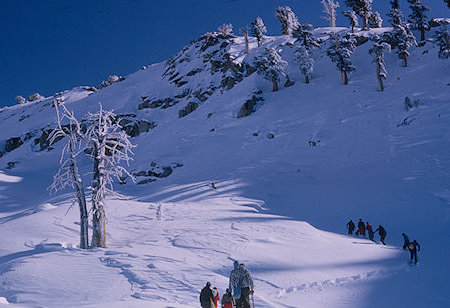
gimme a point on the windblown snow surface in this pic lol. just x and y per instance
(281, 203)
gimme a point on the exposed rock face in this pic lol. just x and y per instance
(249, 106)
(191, 106)
(155, 172)
(13, 143)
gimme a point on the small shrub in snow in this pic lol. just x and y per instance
(270, 65)
(226, 29)
(258, 30)
(352, 18)
(329, 8)
(20, 99)
(287, 19)
(35, 97)
(442, 39)
(111, 79)
(409, 105)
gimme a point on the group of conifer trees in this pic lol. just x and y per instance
(271, 66)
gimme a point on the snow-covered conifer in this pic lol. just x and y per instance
(258, 30)
(340, 50)
(287, 18)
(271, 66)
(362, 8)
(442, 39)
(68, 174)
(226, 29)
(329, 8)
(305, 60)
(20, 99)
(377, 51)
(108, 146)
(418, 17)
(304, 35)
(375, 20)
(403, 39)
(352, 18)
(395, 14)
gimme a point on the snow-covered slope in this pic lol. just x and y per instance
(289, 176)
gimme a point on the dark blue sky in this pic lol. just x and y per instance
(48, 46)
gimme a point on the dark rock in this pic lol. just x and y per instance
(191, 106)
(270, 136)
(288, 83)
(194, 72)
(149, 180)
(141, 173)
(13, 143)
(249, 106)
(11, 164)
(209, 115)
(256, 134)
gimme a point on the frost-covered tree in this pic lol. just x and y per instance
(35, 97)
(404, 39)
(329, 8)
(20, 99)
(375, 20)
(258, 30)
(395, 14)
(362, 8)
(418, 18)
(304, 35)
(108, 146)
(68, 174)
(226, 29)
(340, 50)
(377, 51)
(271, 66)
(305, 61)
(442, 39)
(287, 19)
(352, 18)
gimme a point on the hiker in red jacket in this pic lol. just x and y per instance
(228, 300)
(216, 296)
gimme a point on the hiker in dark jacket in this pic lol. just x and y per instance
(206, 296)
(382, 232)
(361, 228)
(413, 250)
(350, 226)
(405, 241)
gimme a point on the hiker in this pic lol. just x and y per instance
(382, 232)
(361, 228)
(413, 250)
(405, 241)
(206, 297)
(350, 226)
(369, 229)
(216, 296)
(228, 300)
(213, 185)
(241, 283)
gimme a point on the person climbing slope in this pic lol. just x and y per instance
(228, 300)
(405, 241)
(241, 283)
(350, 226)
(361, 228)
(369, 229)
(413, 251)
(206, 297)
(382, 232)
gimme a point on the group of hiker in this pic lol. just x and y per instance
(363, 227)
(238, 293)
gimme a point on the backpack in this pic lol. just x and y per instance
(237, 291)
(411, 246)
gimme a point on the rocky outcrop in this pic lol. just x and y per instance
(191, 106)
(249, 106)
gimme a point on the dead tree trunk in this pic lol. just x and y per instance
(380, 80)
(405, 63)
(306, 79)
(422, 34)
(344, 78)
(98, 198)
(275, 86)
